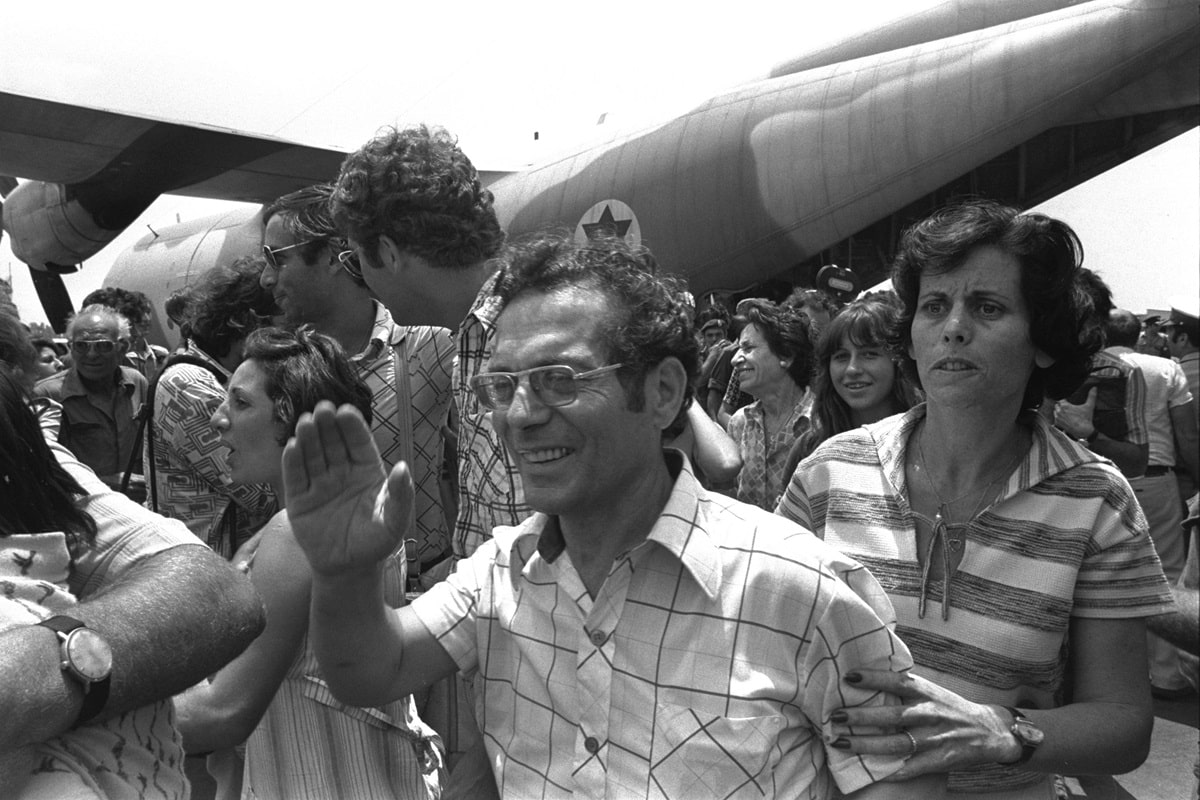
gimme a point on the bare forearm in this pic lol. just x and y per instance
(1090, 738)
(207, 724)
(1182, 626)
(172, 620)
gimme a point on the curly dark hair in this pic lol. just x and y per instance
(418, 188)
(788, 333)
(303, 367)
(307, 216)
(1061, 309)
(18, 357)
(132, 305)
(226, 305)
(36, 493)
(649, 319)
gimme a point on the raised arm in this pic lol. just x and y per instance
(171, 619)
(349, 519)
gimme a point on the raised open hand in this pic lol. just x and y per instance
(347, 515)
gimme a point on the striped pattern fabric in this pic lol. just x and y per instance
(1065, 538)
(430, 361)
(489, 486)
(310, 746)
(707, 666)
(190, 461)
(1120, 411)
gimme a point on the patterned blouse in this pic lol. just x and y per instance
(761, 481)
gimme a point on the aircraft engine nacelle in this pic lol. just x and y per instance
(49, 230)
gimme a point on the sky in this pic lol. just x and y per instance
(496, 73)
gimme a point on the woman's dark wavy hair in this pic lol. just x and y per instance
(18, 357)
(867, 322)
(226, 305)
(418, 188)
(303, 368)
(36, 494)
(649, 319)
(787, 332)
(1051, 257)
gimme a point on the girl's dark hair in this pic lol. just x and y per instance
(865, 322)
(302, 368)
(36, 494)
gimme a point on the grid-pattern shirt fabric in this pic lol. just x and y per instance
(1065, 538)
(707, 666)
(430, 354)
(489, 486)
(190, 463)
(761, 479)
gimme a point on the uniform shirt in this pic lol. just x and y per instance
(1065, 538)
(1190, 364)
(430, 355)
(100, 433)
(490, 493)
(190, 467)
(707, 666)
(1166, 388)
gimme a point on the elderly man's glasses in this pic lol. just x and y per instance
(554, 385)
(271, 254)
(84, 347)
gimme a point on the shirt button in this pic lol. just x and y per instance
(598, 638)
(591, 744)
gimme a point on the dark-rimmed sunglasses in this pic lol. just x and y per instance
(271, 254)
(556, 385)
(85, 346)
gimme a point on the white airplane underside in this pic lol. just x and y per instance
(826, 160)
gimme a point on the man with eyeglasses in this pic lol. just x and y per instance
(99, 396)
(316, 280)
(636, 636)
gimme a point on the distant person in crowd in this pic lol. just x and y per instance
(317, 279)
(773, 362)
(1107, 413)
(185, 462)
(99, 396)
(168, 610)
(815, 304)
(300, 742)
(857, 381)
(1017, 560)
(1151, 340)
(725, 377)
(48, 362)
(42, 524)
(1171, 423)
(1183, 340)
(135, 307)
(620, 634)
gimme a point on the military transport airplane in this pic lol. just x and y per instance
(824, 159)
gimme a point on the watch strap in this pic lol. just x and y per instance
(1027, 749)
(95, 694)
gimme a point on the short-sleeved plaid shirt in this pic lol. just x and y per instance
(490, 493)
(708, 664)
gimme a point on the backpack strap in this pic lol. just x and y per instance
(145, 417)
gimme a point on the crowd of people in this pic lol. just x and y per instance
(416, 512)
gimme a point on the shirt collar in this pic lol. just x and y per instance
(681, 529)
(194, 350)
(383, 332)
(72, 386)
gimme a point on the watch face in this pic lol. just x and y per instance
(89, 655)
(1028, 733)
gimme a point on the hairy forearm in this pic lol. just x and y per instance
(1182, 626)
(353, 638)
(172, 620)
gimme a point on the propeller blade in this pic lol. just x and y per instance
(56, 302)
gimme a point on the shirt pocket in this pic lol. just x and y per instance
(700, 754)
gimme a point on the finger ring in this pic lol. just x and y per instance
(912, 741)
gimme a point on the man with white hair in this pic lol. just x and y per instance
(100, 398)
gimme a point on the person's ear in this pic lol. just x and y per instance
(666, 386)
(391, 257)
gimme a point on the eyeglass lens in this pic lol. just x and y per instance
(102, 346)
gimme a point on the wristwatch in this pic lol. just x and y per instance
(87, 658)
(1027, 734)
